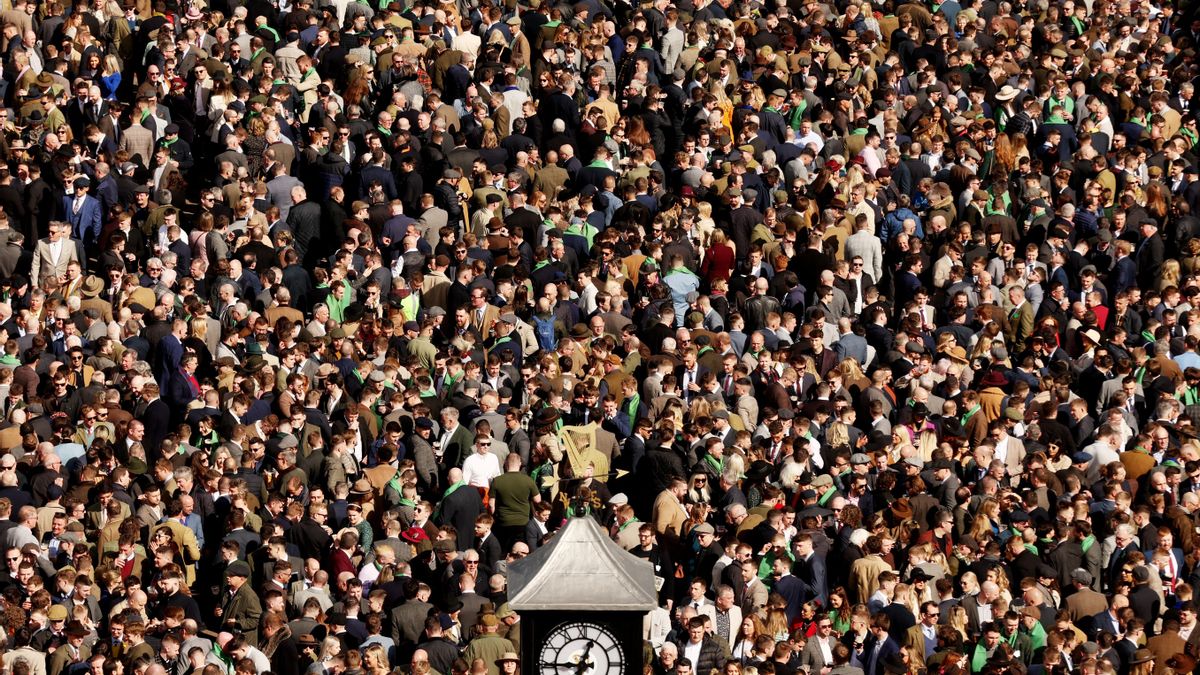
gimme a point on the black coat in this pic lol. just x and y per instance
(286, 659)
(310, 538)
(1145, 605)
(304, 220)
(460, 508)
(156, 419)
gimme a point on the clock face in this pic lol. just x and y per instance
(580, 648)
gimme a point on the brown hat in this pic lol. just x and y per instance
(92, 286)
(1141, 656)
(1181, 663)
(902, 509)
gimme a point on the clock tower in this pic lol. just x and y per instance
(582, 600)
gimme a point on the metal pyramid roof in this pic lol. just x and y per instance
(581, 568)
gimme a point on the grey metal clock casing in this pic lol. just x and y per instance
(582, 601)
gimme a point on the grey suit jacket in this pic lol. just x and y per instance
(812, 655)
(867, 246)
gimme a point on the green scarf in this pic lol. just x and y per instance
(256, 53)
(394, 484)
(546, 469)
(969, 414)
(598, 164)
(716, 464)
(979, 658)
(584, 230)
(540, 265)
(679, 270)
(222, 656)
(1037, 636)
(797, 115)
(1088, 542)
(631, 407)
(453, 488)
(449, 491)
(824, 499)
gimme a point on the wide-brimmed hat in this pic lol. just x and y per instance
(546, 416)
(1181, 663)
(1007, 93)
(759, 469)
(956, 354)
(509, 657)
(1141, 656)
(91, 286)
(993, 378)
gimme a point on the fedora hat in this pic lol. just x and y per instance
(546, 416)
(509, 657)
(1141, 656)
(759, 469)
(993, 378)
(92, 286)
(1181, 663)
(902, 508)
(1093, 335)
(361, 487)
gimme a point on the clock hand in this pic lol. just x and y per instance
(584, 663)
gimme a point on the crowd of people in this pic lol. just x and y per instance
(869, 325)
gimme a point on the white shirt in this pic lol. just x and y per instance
(692, 652)
(479, 470)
